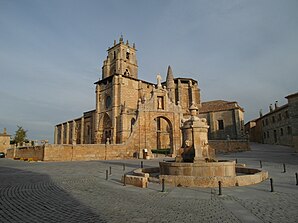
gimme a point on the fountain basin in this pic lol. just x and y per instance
(198, 169)
(209, 174)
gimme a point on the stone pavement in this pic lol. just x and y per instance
(78, 192)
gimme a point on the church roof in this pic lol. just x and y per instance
(112, 76)
(219, 105)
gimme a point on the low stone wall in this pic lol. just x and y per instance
(228, 146)
(55, 152)
(32, 152)
(9, 153)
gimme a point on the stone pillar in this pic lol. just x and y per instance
(74, 133)
(96, 122)
(56, 135)
(82, 130)
(67, 133)
(62, 134)
(200, 139)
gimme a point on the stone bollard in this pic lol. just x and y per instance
(163, 185)
(219, 188)
(271, 185)
(124, 180)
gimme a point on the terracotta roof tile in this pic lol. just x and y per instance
(219, 105)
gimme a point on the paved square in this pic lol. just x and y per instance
(78, 192)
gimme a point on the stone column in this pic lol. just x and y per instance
(62, 134)
(82, 130)
(74, 133)
(56, 135)
(96, 121)
(67, 133)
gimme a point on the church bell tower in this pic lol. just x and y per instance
(121, 60)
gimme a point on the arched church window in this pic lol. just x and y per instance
(127, 54)
(108, 101)
(114, 55)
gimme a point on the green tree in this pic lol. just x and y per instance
(20, 135)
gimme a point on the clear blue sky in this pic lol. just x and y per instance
(51, 52)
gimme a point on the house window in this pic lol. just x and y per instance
(264, 135)
(263, 122)
(220, 124)
(281, 131)
(287, 114)
(273, 119)
(268, 134)
(279, 117)
(266, 121)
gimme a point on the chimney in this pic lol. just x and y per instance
(270, 108)
(276, 105)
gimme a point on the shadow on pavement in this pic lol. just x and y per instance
(32, 197)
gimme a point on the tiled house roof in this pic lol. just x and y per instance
(218, 105)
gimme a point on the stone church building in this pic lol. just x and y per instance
(145, 115)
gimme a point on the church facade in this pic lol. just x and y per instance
(133, 111)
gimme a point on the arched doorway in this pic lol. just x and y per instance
(107, 129)
(164, 133)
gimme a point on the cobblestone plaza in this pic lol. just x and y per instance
(79, 192)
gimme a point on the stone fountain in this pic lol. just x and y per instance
(193, 165)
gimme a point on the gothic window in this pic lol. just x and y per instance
(268, 134)
(108, 101)
(114, 55)
(264, 135)
(220, 124)
(273, 119)
(281, 131)
(127, 54)
(266, 121)
(279, 117)
(287, 114)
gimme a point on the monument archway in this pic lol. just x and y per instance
(163, 133)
